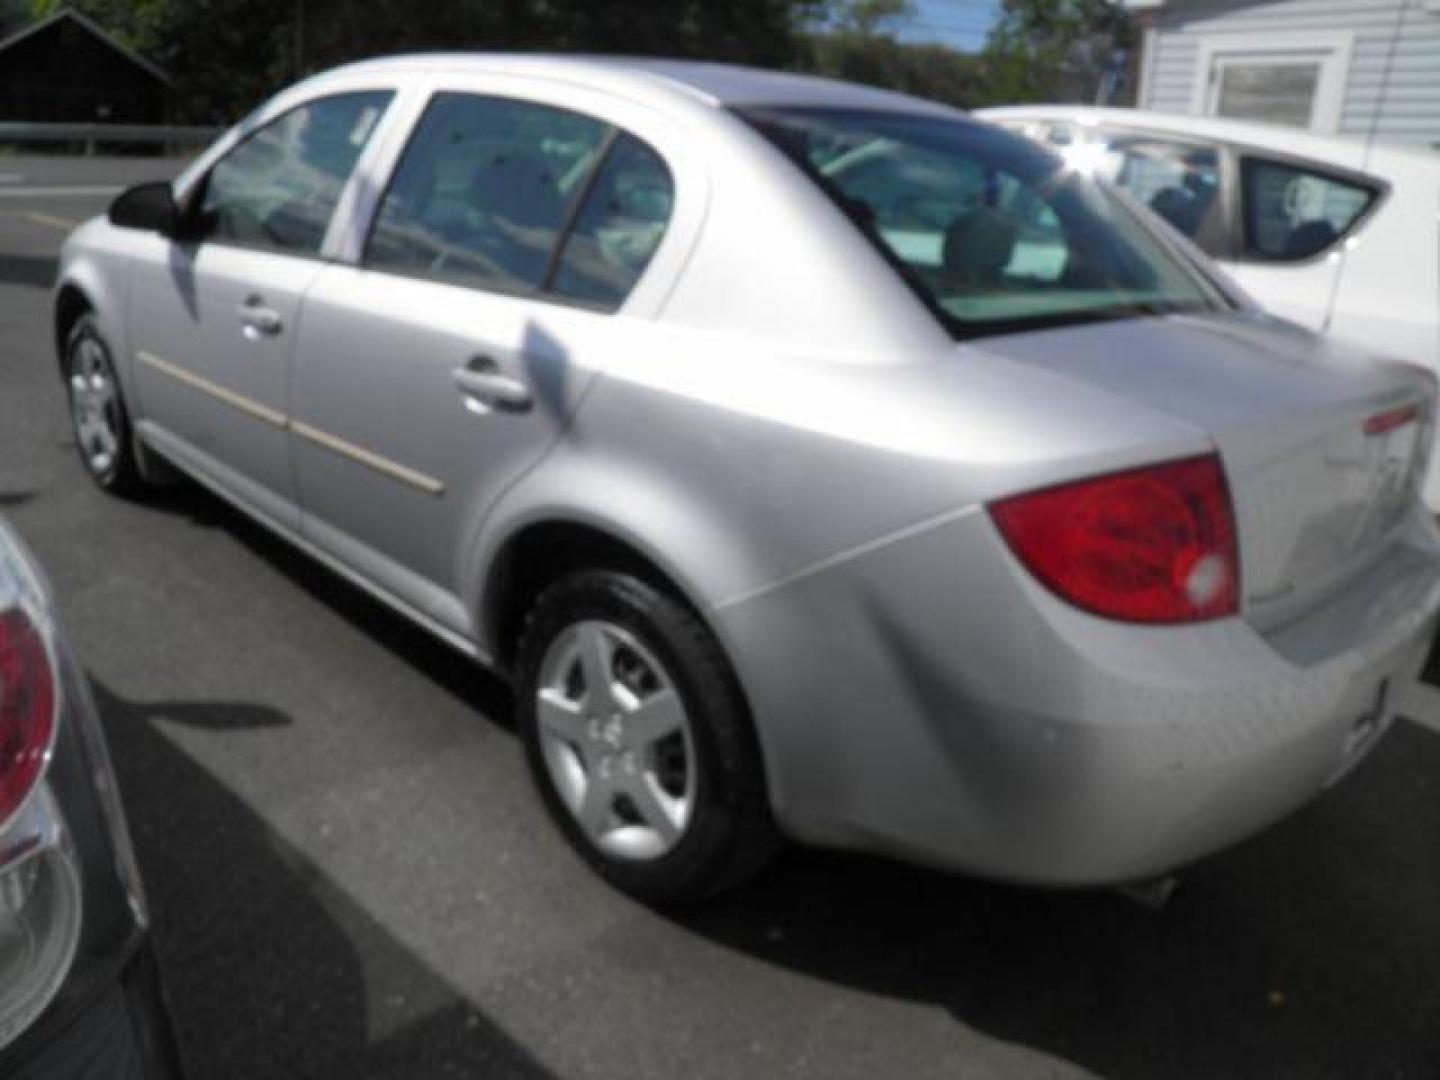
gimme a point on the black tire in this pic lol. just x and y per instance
(731, 834)
(120, 475)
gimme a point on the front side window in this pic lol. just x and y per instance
(279, 188)
(1293, 213)
(484, 191)
(995, 233)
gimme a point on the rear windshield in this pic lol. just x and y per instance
(993, 232)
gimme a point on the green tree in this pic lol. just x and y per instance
(857, 41)
(227, 55)
(867, 18)
(1052, 50)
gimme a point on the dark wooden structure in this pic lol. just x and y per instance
(67, 70)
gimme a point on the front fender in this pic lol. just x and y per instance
(92, 266)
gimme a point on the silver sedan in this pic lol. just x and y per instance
(816, 461)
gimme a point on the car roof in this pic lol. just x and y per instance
(713, 83)
(1278, 137)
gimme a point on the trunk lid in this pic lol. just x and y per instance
(1319, 445)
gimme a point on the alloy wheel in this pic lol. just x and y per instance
(616, 740)
(94, 406)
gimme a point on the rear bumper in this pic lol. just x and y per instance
(987, 726)
(122, 1032)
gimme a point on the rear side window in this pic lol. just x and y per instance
(619, 225)
(279, 188)
(484, 191)
(1293, 213)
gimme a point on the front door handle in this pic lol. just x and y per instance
(487, 388)
(257, 320)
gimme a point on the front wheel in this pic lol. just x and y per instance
(97, 411)
(639, 739)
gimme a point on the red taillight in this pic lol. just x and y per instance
(1151, 545)
(27, 709)
(1387, 421)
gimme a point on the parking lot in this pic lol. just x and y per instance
(350, 875)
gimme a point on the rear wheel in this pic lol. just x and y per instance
(639, 739)
(97, 411)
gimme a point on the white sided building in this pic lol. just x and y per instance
(1359, 68)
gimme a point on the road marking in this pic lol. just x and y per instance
(1420, 704)
(57, 192)
(50, 219)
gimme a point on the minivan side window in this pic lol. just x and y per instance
(1293, 213)
(1180, 181)
(618, 227)
(484, 191)
(279, 187)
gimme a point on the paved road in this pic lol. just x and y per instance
(351, 877)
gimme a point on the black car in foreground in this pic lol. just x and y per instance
(79, 991)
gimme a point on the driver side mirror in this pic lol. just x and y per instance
(148, 206)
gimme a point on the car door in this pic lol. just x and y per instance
(1293, 220)
(213, 312)
(432, 370)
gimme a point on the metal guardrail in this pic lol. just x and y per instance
(90, 135)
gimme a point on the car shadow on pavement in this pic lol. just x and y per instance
(249, 1001)
(460, 675)
(36, 271)
(1307, 952)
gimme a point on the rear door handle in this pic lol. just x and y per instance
(487, 388)
(257, 320)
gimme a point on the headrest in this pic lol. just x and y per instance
(979, 244)
(1309, 238)
(1182, 208)
(519, 187)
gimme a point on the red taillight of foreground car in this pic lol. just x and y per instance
(1151, 545)
(27, 709)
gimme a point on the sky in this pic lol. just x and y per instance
(961, 24)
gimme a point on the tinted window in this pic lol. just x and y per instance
(619, 225)
(483, 191)
(280, 186)
(994, 232)
(1294, 213)
(1178, 182)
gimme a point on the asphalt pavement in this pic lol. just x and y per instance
(351, 877)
